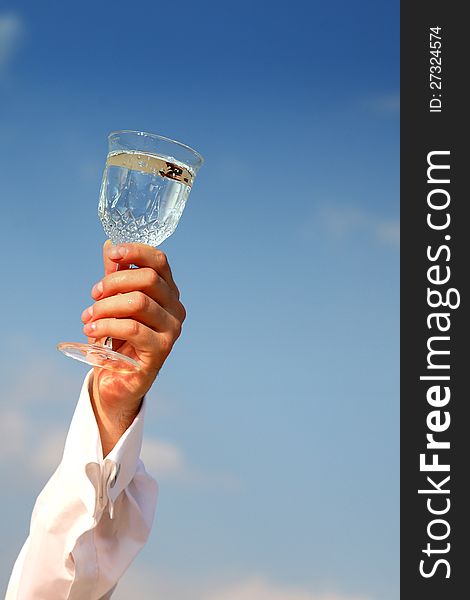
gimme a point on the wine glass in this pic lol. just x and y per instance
(145, 186)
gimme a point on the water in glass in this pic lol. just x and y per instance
(136, 203)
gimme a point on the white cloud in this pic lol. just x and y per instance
(14, 430)
(166, 460)
(37, 444)
(163, 458)
(388, 231)
(384, 104)
(341, 221)
(11, 35)
(33, 448)
(262, 589)
(45, 383)
(36, 448)
(145, 583)
(36, 375)
(30, 390)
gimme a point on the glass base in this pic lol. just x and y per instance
(98, 355)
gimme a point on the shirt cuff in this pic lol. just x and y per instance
(97, 481)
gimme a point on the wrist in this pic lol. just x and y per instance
(113, 419)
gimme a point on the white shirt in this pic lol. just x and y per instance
(92, 517)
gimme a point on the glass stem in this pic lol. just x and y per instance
(108, 342)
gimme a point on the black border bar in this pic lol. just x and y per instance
(435, 333)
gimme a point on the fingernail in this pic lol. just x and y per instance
(89, 328)
(117, 252)
(87, 314)
(97, 290)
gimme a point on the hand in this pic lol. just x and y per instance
(141, 311)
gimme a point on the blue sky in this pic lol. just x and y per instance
(273, 429)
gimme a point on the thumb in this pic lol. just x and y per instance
(109, 265)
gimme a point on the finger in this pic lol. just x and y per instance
(109, 265)
(145, 280)
(141, 337)
(135, 305)
(142, 255)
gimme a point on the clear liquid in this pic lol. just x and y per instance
(140, 205)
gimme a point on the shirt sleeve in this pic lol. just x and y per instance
(92, 517)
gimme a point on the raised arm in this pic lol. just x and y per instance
(142, 307)
(96, 511)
